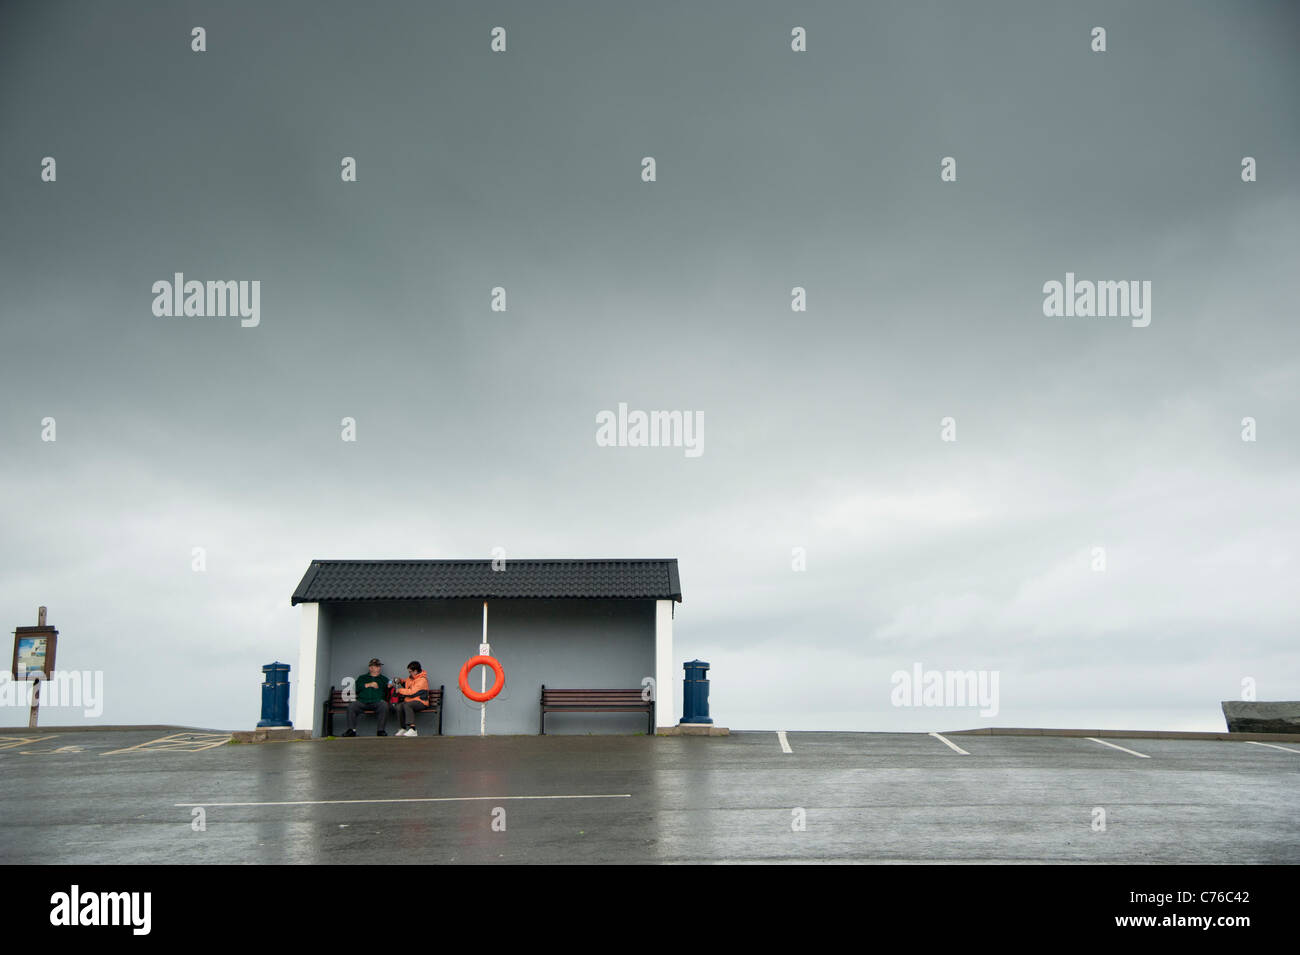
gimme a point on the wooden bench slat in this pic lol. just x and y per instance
(337, 703)
(597, 696)
(637, 705)
(595, 703)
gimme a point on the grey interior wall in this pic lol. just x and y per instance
(561, 643)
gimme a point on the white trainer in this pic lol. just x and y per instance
(412, 732)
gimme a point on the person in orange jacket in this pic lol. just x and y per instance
(413, 694)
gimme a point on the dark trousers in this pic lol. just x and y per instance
(356, 708)
(407, 709)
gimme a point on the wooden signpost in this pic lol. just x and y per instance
(34, 657)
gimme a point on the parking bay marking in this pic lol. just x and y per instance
(785, 743)
(182, 742)
(1120, 748)
(950, 744)
(1285, 749)
(13, 742)
(353, 802)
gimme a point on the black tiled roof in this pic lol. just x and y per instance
(327, 580)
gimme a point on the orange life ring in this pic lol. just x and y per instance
(497, 687)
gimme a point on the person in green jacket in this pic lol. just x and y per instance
(372, 694)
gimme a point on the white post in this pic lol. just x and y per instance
(308, 636)
(484, 649)
(666, 674)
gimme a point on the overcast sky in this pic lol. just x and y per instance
(775, 169)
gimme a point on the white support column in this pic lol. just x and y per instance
(484, 649)
(666, 672)
(309, 696)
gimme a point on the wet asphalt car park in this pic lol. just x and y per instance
(175, 795)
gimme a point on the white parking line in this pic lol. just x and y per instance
(785, 743)
(950, 744)
(1120, 748)
(1285, 749)
(354, 802)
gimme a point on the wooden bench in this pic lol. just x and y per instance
(336, 705)
(596, 701)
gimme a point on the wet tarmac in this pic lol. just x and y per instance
(187, 796)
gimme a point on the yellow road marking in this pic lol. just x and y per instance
(180, 742)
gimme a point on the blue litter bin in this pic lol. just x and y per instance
(695, 693)
(275, 695)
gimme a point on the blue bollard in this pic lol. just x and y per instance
(275, 695)
(695, 693)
